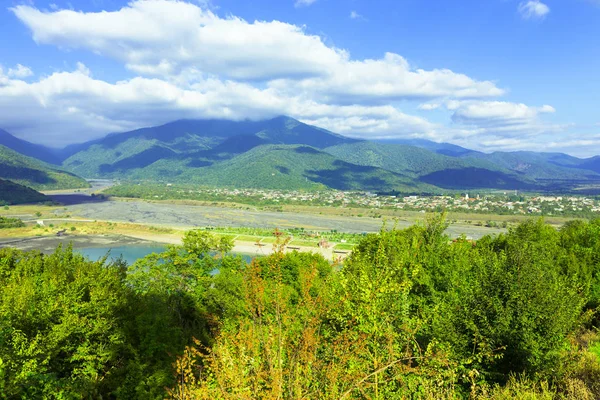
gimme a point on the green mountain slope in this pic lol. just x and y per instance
(403, 159)
(204, 140)
(281, 167)
(431, 168)
(299, 167)
(35, 174)
(592, 164)
(11, 193)
(446, 149)
(540, 166)
(28, 149)
(204, 151)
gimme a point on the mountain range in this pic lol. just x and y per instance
(283, 153)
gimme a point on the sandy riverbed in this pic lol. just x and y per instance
(189, 217)
(47, 244)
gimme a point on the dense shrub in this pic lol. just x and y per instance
(6, 223)
(410, 314)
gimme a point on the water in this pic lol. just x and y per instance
(129, 253)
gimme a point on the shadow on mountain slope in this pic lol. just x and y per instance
(348, 176)
(472, 178)
(140, 160)
(10, 172)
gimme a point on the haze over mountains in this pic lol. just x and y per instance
(283, 153)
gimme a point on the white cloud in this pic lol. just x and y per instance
(499, 125)
(302, 3)
(168, 38)
(355, 15)
(192, 63)
(429, 106)
(496, 112)
(148, 33)
(75, 105)
(499, 120)
(19, 71)
(390, 78)
(533, 9)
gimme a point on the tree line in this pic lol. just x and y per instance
(410, 314)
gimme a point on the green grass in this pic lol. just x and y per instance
(247, 238)
(344, 246)
(303, 243)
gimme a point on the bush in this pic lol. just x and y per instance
(6, 223)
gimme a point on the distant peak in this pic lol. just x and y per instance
(285, 119)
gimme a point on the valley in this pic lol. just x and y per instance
(244, 179)
(299, 199)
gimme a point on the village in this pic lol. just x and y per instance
(503, 203)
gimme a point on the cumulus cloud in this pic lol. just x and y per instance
(496, 112)
(500, 119)
(533, 9)
(500, 125)
(191, 63)
(390, 78)
(19, 71)
(75, 105)
(167, 38)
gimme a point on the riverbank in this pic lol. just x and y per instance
(47, 244)
(244, 247)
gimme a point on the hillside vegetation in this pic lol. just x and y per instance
(35, 174)
(12, 193)
(542, 166)
(278, 167)
(216, 152)
(298, 167)
(410, 315)
(28, 149)
(188, 143)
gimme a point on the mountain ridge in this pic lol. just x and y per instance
(29, 149)
(196, 150)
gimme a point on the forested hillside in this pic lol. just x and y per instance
(203, 150)
(35, 174)
(188, 143)
(28, 149)
(542, 166)
(410, 314)
(11, 193)
(299, 167)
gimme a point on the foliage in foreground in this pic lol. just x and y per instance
(409, 315)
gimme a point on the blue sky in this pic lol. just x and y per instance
(490, 75)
